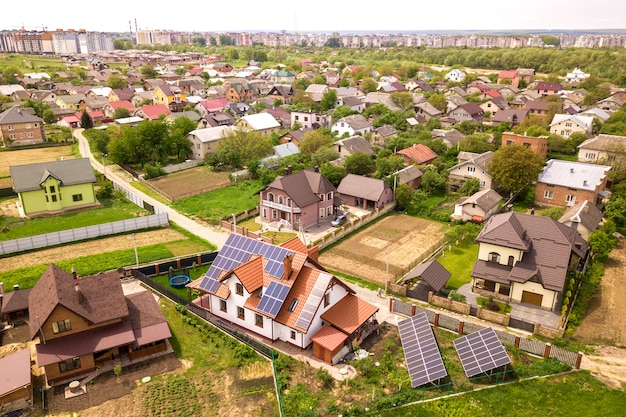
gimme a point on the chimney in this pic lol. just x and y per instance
(571, 170)
(74, 273)
(79, 295)
(584, 182)
(287, 266)
(290, 169)
(316, 168)
(285, 171)
(16, 287)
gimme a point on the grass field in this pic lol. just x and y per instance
(221, 203)
(112, 210)
(189, 182)
(460, 263)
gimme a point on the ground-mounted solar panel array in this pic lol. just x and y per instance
(313, 301)
(481, 352)
(423, 359)
(273, 298)
(237, 250)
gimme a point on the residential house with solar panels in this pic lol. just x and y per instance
(303, 199)
(527, 259)
(282, 294)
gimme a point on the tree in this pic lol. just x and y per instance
(432, 180)
(402, 99)
(178, 136)
(369, 85)
(615, 210)
(121, 113)
(116, 81)
(359, 163)
(239, 148)
(314, 140)
(469, 187)
(328, 100)
(323, 155)
(148, 71)
(333, 43)
(86, 122)
(403, 196)
(388, 165)
(341, 112)
(602, 243)
(438, 101)
(515, 167)
(333, 173)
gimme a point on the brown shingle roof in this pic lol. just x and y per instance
(303, 187)
(15, 371)
(14, 301)
(103, 298)
(435, 274)
(363, 187)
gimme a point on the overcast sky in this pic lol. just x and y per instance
(318, 15)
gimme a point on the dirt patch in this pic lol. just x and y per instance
(407, 239)
(9, 207)
(608, 364)
(32, 156)
(604, 322)
(89, 248)
(189, 182)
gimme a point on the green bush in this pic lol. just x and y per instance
(324, 377)
(153, 171)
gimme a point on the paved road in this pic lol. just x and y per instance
(212, 234)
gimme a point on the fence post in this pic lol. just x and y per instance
(517, 340)
(413, 310)
(436, 322)
(579, 360)
(546, 352)
(461, 324)
(391, 304)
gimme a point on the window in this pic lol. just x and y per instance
(504, 289)
(590, 155)
(326, 299)
(471, 169)
(322, 197)
(494, 257)
(293, 305)
(570, 199)
(568, 124)
(548, 194)
(258, 320)
(29, 135)
(241, 313)
(510, 142)
(526, 145)
(77, 197)
(54, 198)
(52, 189)
(223, 305)
(329, 196)
(61, 326)
(69, 364)
(483, 184)
(293, 334)
(11, 127)
(239, 288)
(270, 197)
(329, 211)
(280, 199)
(511, 261)
(322, 211)
(274, 214)
(12, 136)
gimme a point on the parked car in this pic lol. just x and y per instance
(340, 219)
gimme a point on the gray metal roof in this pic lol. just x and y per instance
(16, 115)
(68, 172)
(435, 274)
(576, 175)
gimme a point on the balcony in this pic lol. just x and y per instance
(281, 207)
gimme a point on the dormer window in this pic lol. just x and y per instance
(494, 257)
(293, 305)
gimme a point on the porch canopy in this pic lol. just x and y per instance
(349, 314)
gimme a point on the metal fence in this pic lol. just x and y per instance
(82, 233)
(136, 199)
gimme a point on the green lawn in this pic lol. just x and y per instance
(221, 203)
(576, 395)
(460, 262)
(111, 211)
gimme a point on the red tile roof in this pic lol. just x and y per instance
(419, 153)
(123, 104)
(508, 74)
(154, 111)
(349, 313)
(329, 338)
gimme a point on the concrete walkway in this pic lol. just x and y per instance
(215, 235)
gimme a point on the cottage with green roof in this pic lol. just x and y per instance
(54, 187)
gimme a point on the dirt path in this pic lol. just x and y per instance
(89, 248)
(604, 323)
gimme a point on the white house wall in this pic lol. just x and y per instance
(486, 248)
(548, 301)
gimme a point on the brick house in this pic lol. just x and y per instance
(546, 88)
(20, 126)
(564, 183)
(537, 144)
(298, 200)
